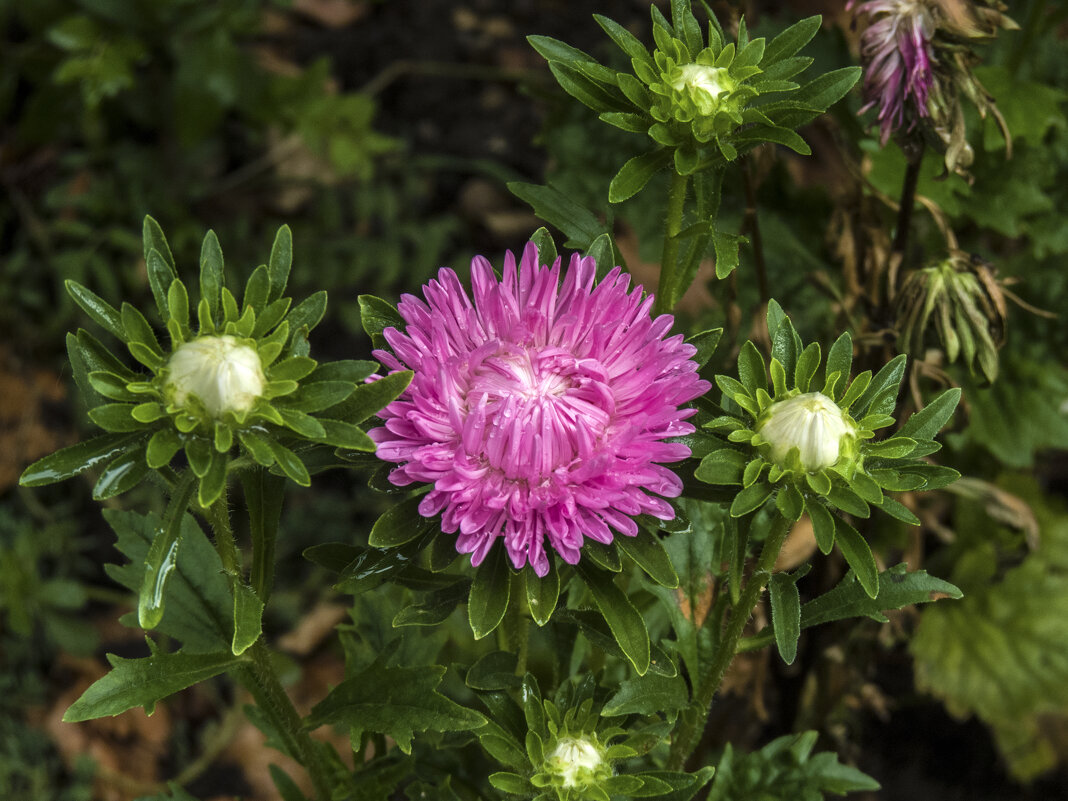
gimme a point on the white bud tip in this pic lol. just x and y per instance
(813, 424)
(223, 374)
(574, 759)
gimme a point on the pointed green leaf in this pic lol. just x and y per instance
(307, 314)
(489, 593)
(635, 174)
(822, 525)
(624, 621)
(76, 459)
(648, 553)
(281, 261)
(648, 695)
(926, 423)
(367, 400)
(101, 312)
(160, 277)
(143, 682)
(750, 499)
(400, 524)
(898, 587)
(542, 593)
(785, 614)
(124, 473)
(248, 618)
(858, 555)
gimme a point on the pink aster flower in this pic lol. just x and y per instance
(541, 411)
(899, 61)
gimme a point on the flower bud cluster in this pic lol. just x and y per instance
(804, 440)
(960, 299)
(241, 381)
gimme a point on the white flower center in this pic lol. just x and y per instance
(574, 757)
(813, 424)
(223, 374)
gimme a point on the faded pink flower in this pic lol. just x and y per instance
(540, 411)
(898, 61)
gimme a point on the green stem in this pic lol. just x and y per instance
(261, 680)
(219, 516)
(752, 226)
(904, 221)
(691, 729)
(668, 285)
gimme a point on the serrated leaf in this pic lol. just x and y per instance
(898, 587)
(143, 682)
(198, 602)
(396, 702)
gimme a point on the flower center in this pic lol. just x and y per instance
(705, 84)
(532, 411)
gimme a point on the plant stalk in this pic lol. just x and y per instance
(667, 286)
(261, 680)
(689, 733)
(904, 221)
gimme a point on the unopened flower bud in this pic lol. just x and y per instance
(813, 424)
(225, 375)
(578, 762)
(704, 85)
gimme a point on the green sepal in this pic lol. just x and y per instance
(161, 448)
(858, 555)
(138, 331)
(785, 614)
(819, 482)
(490, 591)
(303, 424)
(198, 451)
(344, 435)
(271, 316)
(223, 437)
(213, 483)
(292, 369)
(790, 502)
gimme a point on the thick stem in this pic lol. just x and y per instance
(904, 221)
(690, 731)
(669, 262)
(261, 680)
